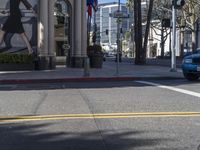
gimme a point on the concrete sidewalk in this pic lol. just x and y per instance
(127, 71)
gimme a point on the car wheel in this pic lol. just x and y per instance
(191, 77)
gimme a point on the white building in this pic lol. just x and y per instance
(59, 30)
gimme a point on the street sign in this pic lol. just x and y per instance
(119, 14)
(66, 46)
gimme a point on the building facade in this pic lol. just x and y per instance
(57, 30)
(105, 22)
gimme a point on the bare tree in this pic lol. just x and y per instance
(191, 15)
(149, 14)
(140, 42)
(161, 11)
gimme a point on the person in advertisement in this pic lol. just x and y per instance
(14, 24)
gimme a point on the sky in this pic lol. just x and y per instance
(107, 1)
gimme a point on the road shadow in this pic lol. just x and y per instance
(92, 85)
(42, 137)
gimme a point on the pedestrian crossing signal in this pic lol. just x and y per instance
(106, 31)
(166, 23)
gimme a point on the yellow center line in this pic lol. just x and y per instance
(15, 119)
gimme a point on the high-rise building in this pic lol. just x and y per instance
(107, 23)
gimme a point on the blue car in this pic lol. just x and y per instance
(191, 67)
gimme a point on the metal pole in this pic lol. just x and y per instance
(86, 67)
(118, 42)
(173, 43)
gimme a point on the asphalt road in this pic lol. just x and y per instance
(131, 115)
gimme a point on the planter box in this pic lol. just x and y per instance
(96, 61)
(16, 67)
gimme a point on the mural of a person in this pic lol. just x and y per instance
(14, 24)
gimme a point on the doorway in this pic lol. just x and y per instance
(62, 31)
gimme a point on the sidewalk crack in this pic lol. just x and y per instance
(91, 109)
(41, 100)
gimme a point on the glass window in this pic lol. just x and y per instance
(62, 27)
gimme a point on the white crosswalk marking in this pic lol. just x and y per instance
(171, 88)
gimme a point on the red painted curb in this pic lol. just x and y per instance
(82, 79)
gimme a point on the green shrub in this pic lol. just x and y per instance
(16, 59)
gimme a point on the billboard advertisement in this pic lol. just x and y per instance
(18, 26)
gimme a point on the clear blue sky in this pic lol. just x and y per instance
(107, 1)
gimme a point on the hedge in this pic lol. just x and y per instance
(16, 59)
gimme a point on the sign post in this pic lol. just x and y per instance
(118, 14)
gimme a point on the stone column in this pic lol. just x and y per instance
(51, 35)
(84, 29)
(43, 28)
(45, 49)
(77, 25)
(80, 33)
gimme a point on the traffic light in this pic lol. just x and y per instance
(178, 4)
(106, 31)
(121, 30)
(166, 23)
(94, 38)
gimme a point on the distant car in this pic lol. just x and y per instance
(191, 67)
(111, 54)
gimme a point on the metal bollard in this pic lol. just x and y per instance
(86, 67)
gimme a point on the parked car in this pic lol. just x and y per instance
(198, 50)
(187, 53)
(191, 67)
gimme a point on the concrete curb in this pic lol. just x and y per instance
(83, 79)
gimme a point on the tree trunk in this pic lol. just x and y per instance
(162, 43)
(140, 37)
(193, 39)
(147, 30)
(182, 44)
(136, 31)
(197, 33)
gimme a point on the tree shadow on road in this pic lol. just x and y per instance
(43, 137)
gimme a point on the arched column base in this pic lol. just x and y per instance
(77, 62)
(45, 63)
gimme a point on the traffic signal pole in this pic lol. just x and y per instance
(176, 4)
(173, 43)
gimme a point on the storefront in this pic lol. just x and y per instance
(57, 32)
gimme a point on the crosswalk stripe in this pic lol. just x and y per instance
(195, 94)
